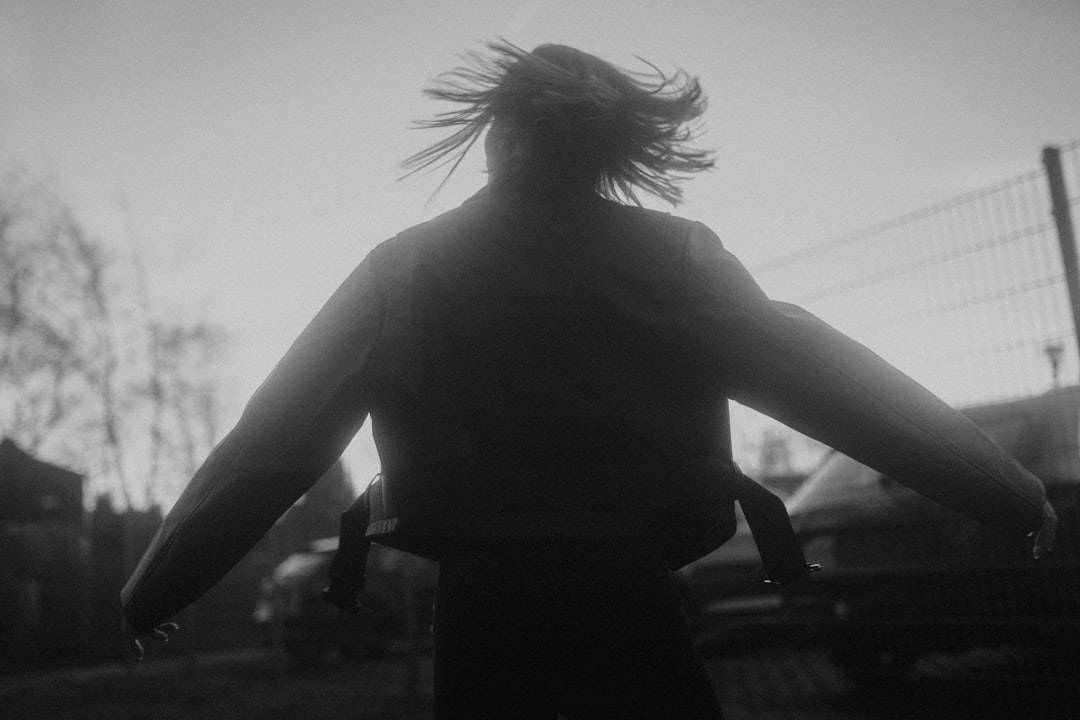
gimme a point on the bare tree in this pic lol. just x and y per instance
(769, 449)
(89, 375)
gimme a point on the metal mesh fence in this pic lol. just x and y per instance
(967, 296)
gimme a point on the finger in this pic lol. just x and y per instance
(139, 649)
(162, 631)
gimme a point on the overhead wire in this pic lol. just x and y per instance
(983, 265)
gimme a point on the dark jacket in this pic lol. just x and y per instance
(518, 338)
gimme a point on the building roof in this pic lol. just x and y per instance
(32, 490)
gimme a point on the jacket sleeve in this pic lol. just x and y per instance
(293, 428)
(786, 363)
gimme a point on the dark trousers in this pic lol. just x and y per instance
(588, 631)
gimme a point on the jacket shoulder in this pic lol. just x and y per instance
(673, 226)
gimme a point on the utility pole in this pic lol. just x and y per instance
(1059, 199)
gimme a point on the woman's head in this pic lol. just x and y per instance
(561, 116)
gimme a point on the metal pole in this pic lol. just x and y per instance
(1059, 199)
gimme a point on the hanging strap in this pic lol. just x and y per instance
(348, 569)
(765, 514)
(773, 534)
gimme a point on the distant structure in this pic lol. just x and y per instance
(61, 567)
(33, 491)
(41, 548)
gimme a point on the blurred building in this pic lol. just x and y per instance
(41, 549)
(61, 568)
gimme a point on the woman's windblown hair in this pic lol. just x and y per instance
(569, 117)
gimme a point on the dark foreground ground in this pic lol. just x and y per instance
(757, 681)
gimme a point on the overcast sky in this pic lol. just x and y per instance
(255, 144)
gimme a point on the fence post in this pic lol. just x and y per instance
(1059, 200)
